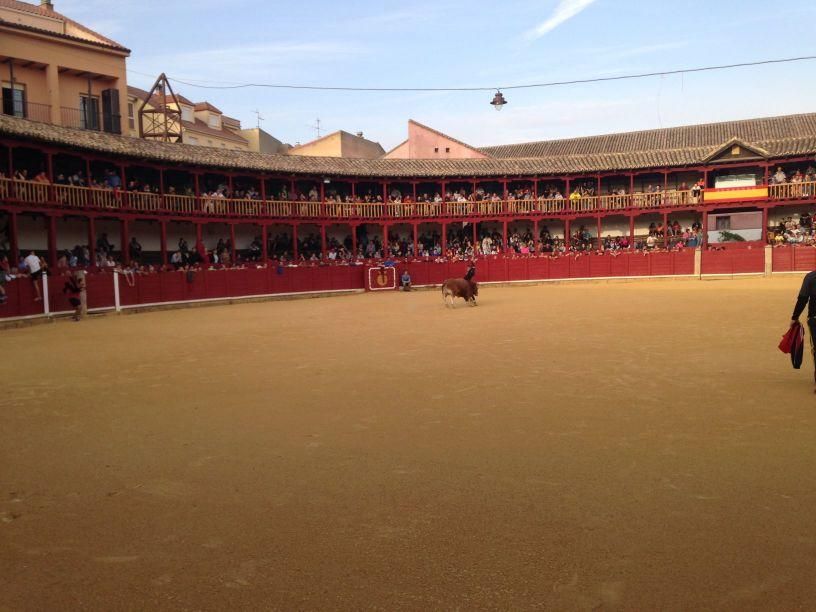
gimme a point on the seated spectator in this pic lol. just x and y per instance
(405, 281)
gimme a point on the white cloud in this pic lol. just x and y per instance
(565, 10)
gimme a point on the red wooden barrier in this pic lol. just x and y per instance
(782, 259)
(735, 261)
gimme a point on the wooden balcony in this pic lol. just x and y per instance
(83, 198)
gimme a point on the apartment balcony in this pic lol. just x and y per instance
(33, 111)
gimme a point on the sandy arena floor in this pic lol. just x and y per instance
(632, 446)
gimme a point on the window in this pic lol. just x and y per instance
(215, 122)
(186, 114)
(89, 112)
(723, 223)
(447, 149)
(14, 99)
(436, 149)
(131, 116)
(192, 140)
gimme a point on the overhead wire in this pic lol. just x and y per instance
(202, 84)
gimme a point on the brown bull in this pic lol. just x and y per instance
(459, 287)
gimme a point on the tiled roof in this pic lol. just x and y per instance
(45, 12)
(202, 106)
(200, 127)
(709, 135)
(796, 137)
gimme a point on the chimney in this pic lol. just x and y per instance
(47, 4)
(359, 134)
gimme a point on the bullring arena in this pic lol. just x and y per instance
(247, 414)
(608, 445)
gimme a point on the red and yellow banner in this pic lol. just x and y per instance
(736, 194)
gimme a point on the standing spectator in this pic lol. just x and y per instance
(103, 247)
(35, 271)
(135, 249)
(5, 275)
(112, 180)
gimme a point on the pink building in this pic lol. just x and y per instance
(426, 143)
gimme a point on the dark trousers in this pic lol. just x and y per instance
(812, 328)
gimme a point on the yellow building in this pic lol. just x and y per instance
(340, 144)
(56, 70)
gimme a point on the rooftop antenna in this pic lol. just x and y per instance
(316, 126)
(260, 118)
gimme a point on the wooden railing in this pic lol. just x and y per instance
(792, 191)
(68, 196)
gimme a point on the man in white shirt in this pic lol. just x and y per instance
(35, 271)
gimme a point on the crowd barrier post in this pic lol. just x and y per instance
(698, 262)
(46, 305)
(116, 301)
(768, 260)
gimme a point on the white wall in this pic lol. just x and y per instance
(71, 231)
(32, 232)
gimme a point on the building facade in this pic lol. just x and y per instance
(58, 71)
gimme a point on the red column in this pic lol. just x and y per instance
(125, 241)
(632, 183)
(232, 243)
(535, 232)
(11, 176)
(263, 189)
(50, 170)
(599, 233)
(294, 241)
(323, 200)
(323, 246)
(163, 242)
(353, 189)
(765, 225)
(92, 242)
(14, 242)
(354, 240)
(598, 189)
(230, 186)
(444, 236)
(385, 240)
(705, 228)
(535, 188)
(88, 171)
(264, 245)
(416, 234)
(199, 235)
(413, 187)
(567, 234)
(632, 231)
(475, 236)
(292, 189)
(665, 230)
(504, 236)
(52, 242)
(197, 189)
(161, 189)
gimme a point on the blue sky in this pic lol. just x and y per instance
(449, 43)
